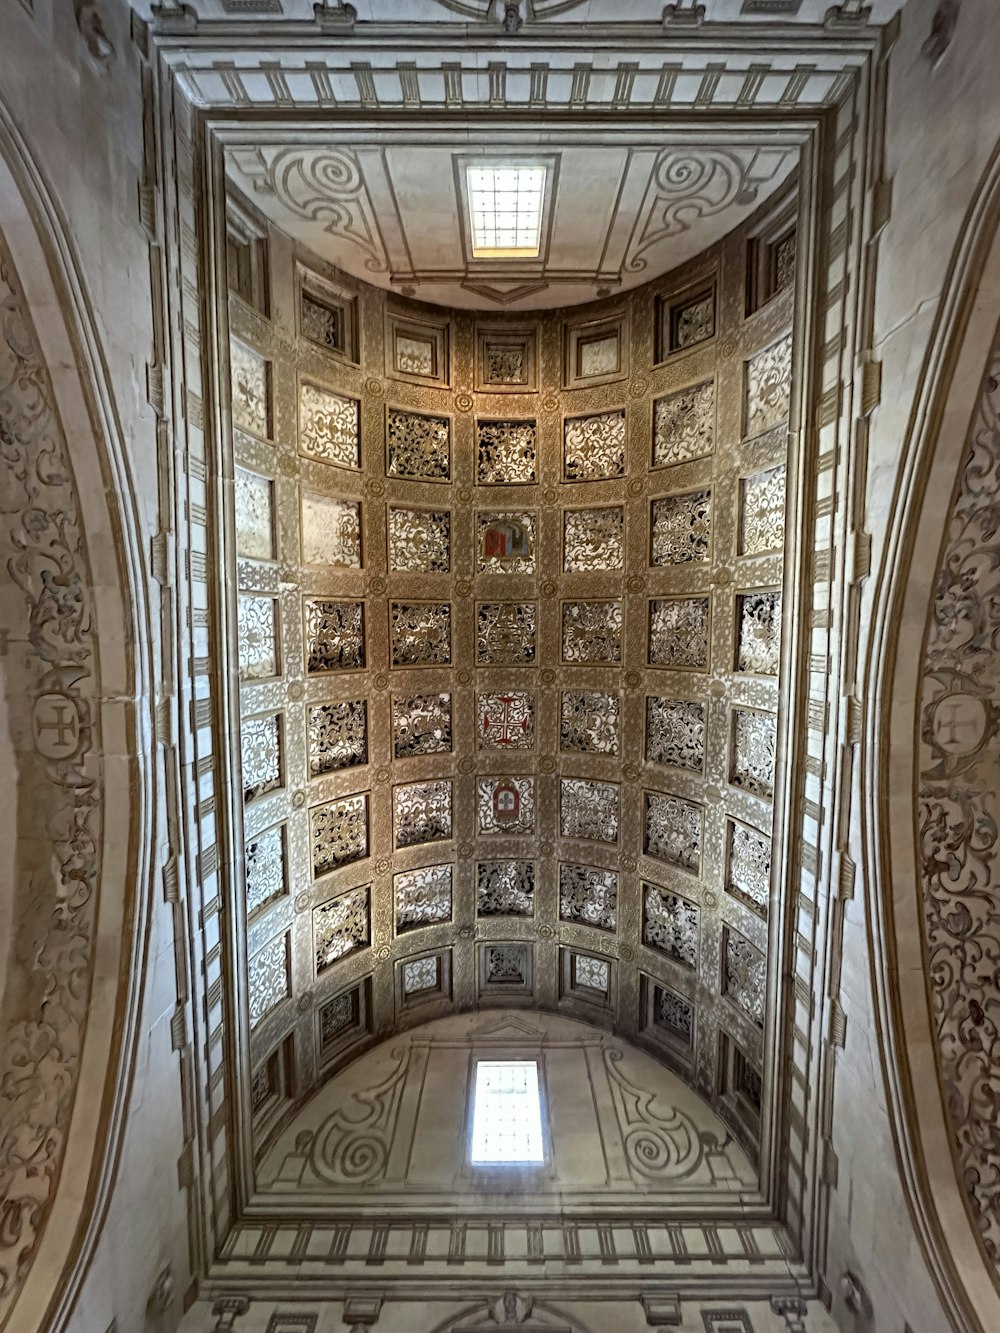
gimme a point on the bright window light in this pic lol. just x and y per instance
(505, 206)
(506, 1113)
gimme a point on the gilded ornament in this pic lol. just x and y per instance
(383, 953)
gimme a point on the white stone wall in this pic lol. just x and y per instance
(943, 124)
(82, 123)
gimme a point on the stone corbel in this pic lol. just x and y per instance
(681, 15)
(335, 16)
(361, 1312)
(227, 1310)
(662, 1311)
(792, 1310)
(850, 14)
(173, 16)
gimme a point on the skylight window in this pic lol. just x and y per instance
(506, 1113)
(505, 208)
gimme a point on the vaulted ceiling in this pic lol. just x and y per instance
(623, 209)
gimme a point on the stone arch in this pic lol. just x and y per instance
(922, 983)
(75, 732)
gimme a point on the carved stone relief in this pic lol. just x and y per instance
(957, 818)
(505, 721)
(55, 786)
(762, 512)
(675, 733)
(265, 869)
(420, 540)
(673, 830)
(594, 447)
(331, 531)
(260, 747)
(593, 539)
(753, 751)
(588, 895)
(328, 426)
(422, 813)
(682, 528)
(421, 724)
(505, 888)
(339, 833)
(338, 736)
(268, 980)
(422, 896)
(515, 658)
(769, 382)
(419, 446)
(684, 425)
(340, 926)
(590, 722)
(588, 809)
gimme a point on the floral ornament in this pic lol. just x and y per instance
(464, 402)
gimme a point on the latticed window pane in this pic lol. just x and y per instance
(507, 1114)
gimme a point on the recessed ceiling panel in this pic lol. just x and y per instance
(613, 214)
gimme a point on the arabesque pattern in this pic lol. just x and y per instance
(527, 670)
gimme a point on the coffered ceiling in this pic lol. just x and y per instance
(622, 211)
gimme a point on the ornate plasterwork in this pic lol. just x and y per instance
(540, 628)
(364, 205)
(47, 582)
(958, 814)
